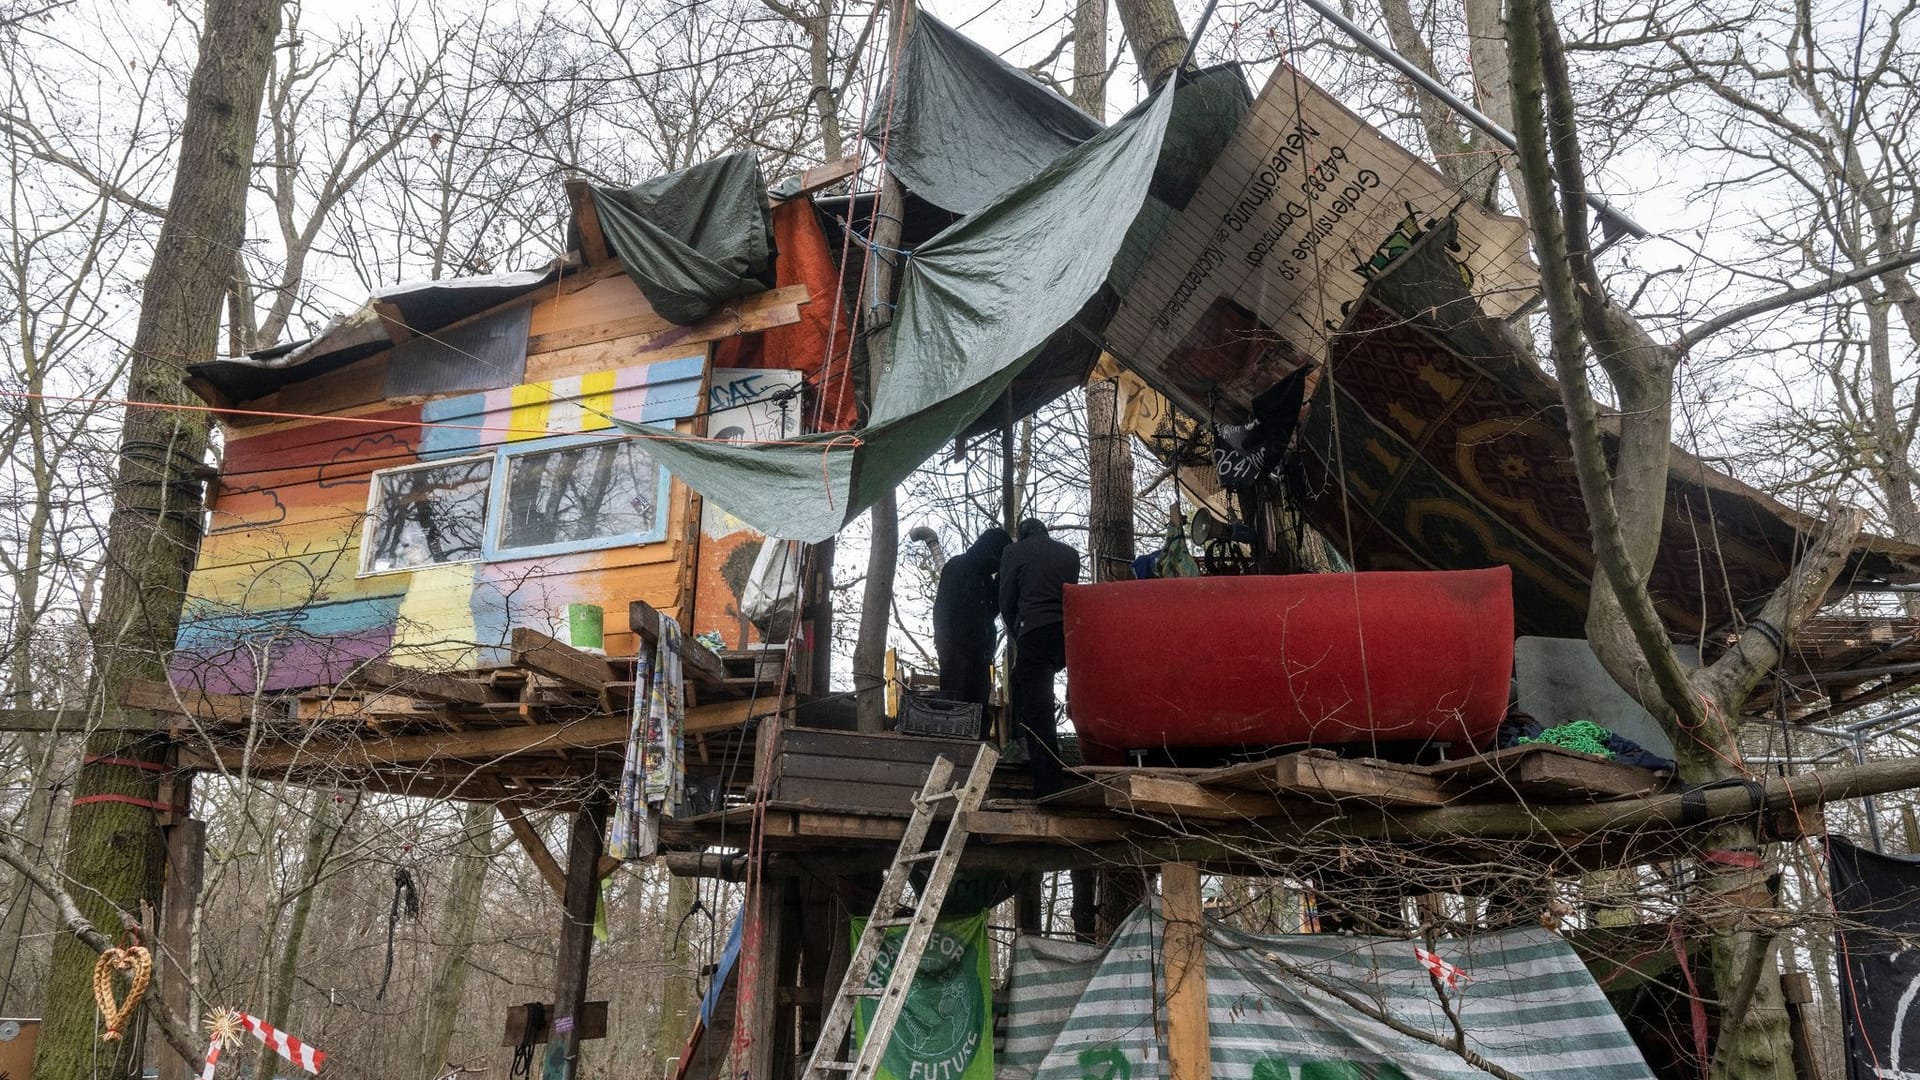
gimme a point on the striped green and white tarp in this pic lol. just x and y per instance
(1527, 1004)
(1047, 981)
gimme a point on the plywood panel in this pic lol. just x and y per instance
(615, 297)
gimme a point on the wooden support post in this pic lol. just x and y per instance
(823, 951)
(1118, 893)
(1796, 989)
(1029, 915)
(757, 1045)
(186, 866)
(562, 1060)
(1189, 1037)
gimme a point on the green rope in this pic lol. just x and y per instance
(1584, 736)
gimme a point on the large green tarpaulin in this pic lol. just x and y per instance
(945, 1031)
(977, 303)
(1283, 1007)
(960, 126)
(693, 239)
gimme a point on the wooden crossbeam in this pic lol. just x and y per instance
(1333, 779)
(815, 178)
(549, 656)
(473, 745)
(648, 331)
(698, 662)
(380, 676)
(531, 843)
(593, 242)
(70, 722)
(185, 701)
(1147, 793)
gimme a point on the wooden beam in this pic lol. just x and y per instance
(562, 1059)
(161, 697)
(1189, 1025)
(593, 242)
(1147, 793)
(811, 180)
(397, 329)
(477, 745)
(77, 722)
(531, 843)
(649, 332)
(547, 655)
(1325, 778)
(1039, 825)
(722, 715)
(186, 866)
(380, 676)
(698, 661)
(593, 1024)
(758, 1012)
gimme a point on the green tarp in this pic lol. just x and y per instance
(945, 1031)
(977, 303)
(960, 126)
(1526, 1004)
(694, 239)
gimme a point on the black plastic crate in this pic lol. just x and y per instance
(940, 719)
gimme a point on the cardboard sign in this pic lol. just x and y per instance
(1304, 205)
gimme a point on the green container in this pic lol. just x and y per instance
(586, 627)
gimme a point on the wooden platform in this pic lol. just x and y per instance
(843, 797)
(542, 730)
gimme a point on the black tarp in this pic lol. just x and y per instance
(1877, 901)
(960, 126)
(693, 239)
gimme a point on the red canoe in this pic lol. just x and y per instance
(1304, 658)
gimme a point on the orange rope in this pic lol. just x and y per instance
(850, 440)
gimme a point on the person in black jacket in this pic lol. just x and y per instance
(1034, 574)
(964, 605)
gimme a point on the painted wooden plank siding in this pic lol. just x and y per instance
(277, 599)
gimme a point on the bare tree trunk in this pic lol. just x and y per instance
(1626, 505)
(466, 888)
(322, 830)
(1452, 150)
(21, 953)
(1492, 83)
(1159, 41)
(115, 853)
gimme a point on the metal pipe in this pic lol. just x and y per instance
(1608, 215)
(1866, 801)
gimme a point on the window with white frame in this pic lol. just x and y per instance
(427, 515)
(574, 496)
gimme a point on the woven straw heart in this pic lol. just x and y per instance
(115, 1012)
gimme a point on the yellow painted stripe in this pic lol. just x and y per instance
(531, 404)
(596, 400)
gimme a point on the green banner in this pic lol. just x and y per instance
(946, 1029)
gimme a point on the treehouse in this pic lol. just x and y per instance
(451, 535)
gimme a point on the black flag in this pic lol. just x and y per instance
(1877, 899)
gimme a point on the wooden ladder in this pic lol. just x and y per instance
(890, 911)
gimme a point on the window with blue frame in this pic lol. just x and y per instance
(545, 497)
(427, 515)
(574, 497)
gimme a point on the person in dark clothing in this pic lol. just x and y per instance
(964, 605)
(1034, 574)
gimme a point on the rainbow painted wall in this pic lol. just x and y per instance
(279, 597)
